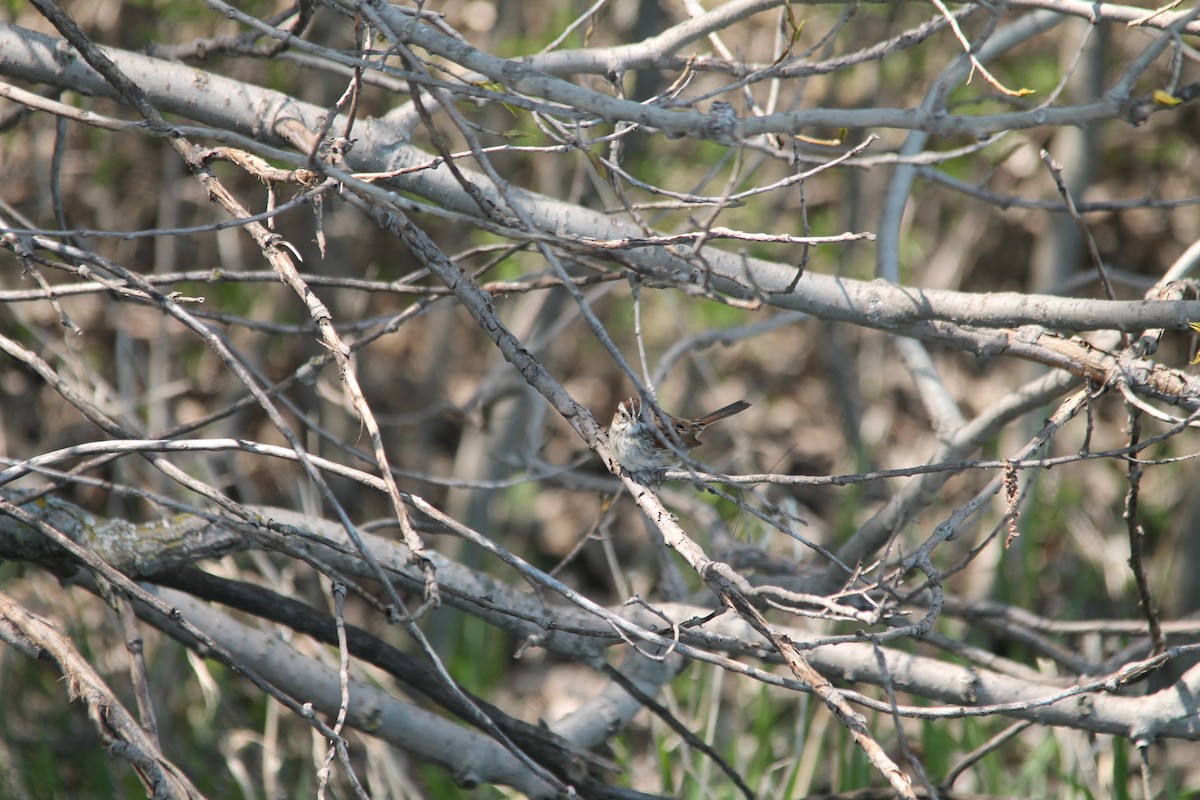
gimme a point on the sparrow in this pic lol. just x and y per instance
(641, 443)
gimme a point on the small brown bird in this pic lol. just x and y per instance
(641, 443)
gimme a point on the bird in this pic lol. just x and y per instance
(641, 443)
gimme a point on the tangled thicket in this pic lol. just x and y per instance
(313, 317)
